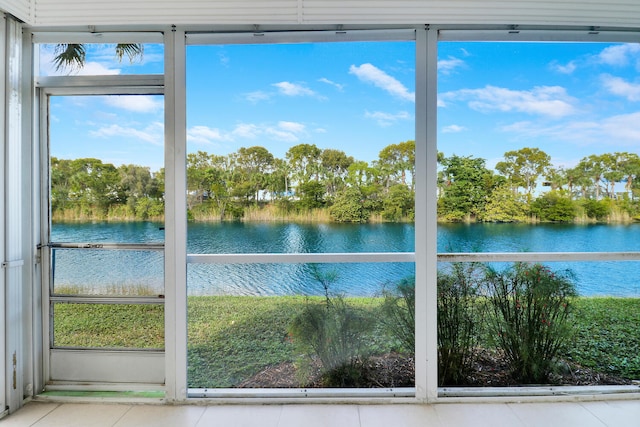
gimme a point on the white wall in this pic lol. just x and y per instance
(610, 13)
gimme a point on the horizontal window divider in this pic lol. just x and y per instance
(538, 35)
(109, 246)
(271, 37)
(127, 84)
(538, 256)
(108, 350)
(85, 299)
(288, 258)
(335, 393)
(56, 37)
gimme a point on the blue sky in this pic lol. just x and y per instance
(570, 100)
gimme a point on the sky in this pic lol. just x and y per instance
(567, 99)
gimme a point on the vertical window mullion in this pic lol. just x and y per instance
(176, 218)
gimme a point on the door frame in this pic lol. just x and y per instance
(121, 369)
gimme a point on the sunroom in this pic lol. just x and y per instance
(271, 201)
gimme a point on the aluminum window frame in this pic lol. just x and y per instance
(53, 359)
(426, 257)
(515, 34)
(292, 37)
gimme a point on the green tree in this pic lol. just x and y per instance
(255, 164)
(197, 177)
(396, 161)
(349, 206)
(304, 160)
(466, 186)
(554, 207)
(94, 184)
(504, 206)
(311, 195)
(592, 167)
(61, 173)
(398, 203)
(630, 167)
(612, 171)
(72, 56)
(335, 166)
(556, 178)
(523, 167)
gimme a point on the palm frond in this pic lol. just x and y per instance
(132, 50)
(69, 56)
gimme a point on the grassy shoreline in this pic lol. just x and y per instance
(234, 337)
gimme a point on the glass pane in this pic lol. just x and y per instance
(107, 272)
(93, 326)
(308, 147)
(328, 325)
(540, 133)
(298, 148)
(537, 155)
(557, 323)
(100, 59)
(107, 186)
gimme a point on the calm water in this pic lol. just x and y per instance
(99, 270)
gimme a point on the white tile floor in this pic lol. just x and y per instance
(623, 413)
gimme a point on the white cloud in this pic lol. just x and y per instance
(620, 87)
(291, 127)
(453, 129)
(550, 101)
(448, 66)
(282, 131)
(137, 103)
(620, 55)
(286, 131)
(293, 89)
(371, 74)
(245, 130)
(205, 135)
(568, 68)
(338, 86)
(154, 133)
(623, 130)
(387, 119)
(257, 96)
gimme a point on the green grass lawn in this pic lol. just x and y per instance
(232, 338)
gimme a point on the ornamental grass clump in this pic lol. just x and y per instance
(530, 311)
(460, 314)
(398, 313)
(336, 333)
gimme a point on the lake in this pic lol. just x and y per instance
(97, 270)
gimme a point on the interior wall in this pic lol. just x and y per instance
(606, 13)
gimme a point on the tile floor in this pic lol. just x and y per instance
(617, 413)
(622, 413)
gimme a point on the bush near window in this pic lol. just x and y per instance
(530, 306)
(460, 317)
(336, 332)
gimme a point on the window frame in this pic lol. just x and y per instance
(425, 256)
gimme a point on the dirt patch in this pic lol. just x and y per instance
(396, 370)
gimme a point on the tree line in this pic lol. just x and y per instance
(309, 179)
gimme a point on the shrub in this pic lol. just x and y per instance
(336, 333)
(398, 204)
(598, 209)
(554, 207)
(398, 309)
(349, 206)
(530, 306)
(459, 318)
